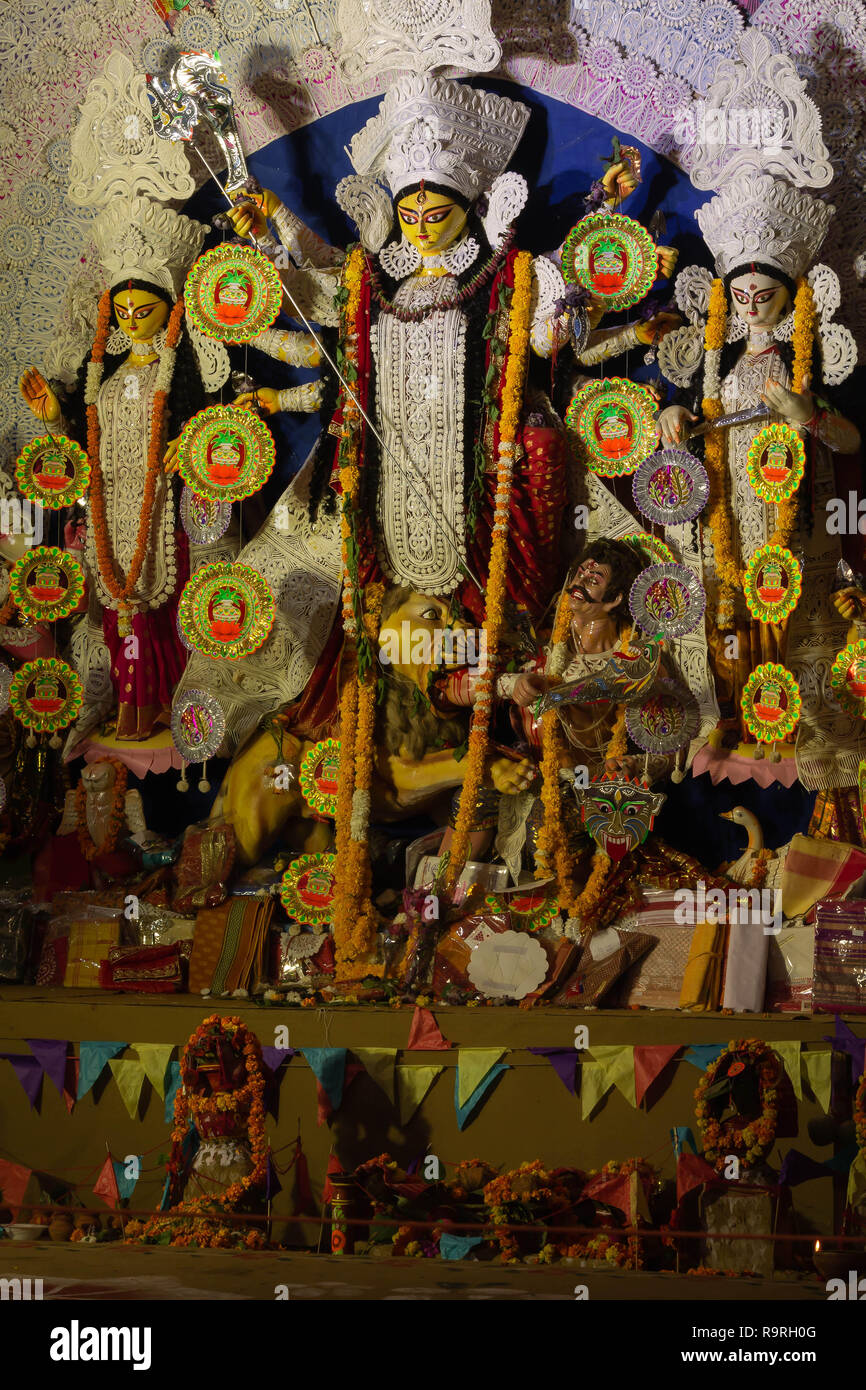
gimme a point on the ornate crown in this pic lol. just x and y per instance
(138, 239)
(445, 132)
(759, 218)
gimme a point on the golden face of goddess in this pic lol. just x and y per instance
(140, 314)
(431, 221)
(759, 300)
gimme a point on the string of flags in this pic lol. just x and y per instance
(595, 1070)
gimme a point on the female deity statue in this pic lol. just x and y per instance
(768, 340)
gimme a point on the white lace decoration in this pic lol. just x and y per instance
(400, 258)
(680, 353)
(505, 202)
(305, 398)
(369, 206)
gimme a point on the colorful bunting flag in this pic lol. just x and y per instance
(465, 1112)
(50, 1053)
(273, 1057)
(473, 1064)
(692, 1172)
(564, 1063)
(379, 1063)
(154, 1058)
(594, 1086)
(818, 1073)
(28, 1071)
(413, 1083)
(798, 1167)
(457, 1247)
(856, 1194)
(616, 1061)
(129, 1076)
(790, 1053)
(125, 1185)
(328, 1065)
(92, 1057)
(424, 1034)
(681, 1136)
(702, 1054)
(14, 1178)
(845, 1040)
(106, 1184)
(649, 1063)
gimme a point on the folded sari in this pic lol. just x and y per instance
(229, 945)
(702, 982)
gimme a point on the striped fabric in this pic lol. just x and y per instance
(840, 971)
(818, 869)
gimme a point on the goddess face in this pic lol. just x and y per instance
(140, 314)
(431, 221)
(759, 300)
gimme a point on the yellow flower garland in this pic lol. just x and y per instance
(719, 510)
(801, 379)
(509, 422)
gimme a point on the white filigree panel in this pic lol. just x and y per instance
(379, 36)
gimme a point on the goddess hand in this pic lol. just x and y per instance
(668, 257)
(509, 778)
(796, 408)
(250, 217)
(619, 183)
(264, 399)
(671, 424)
(527, 689)
(169, 458)
(40, 398)
(850, 603)
(654, 329)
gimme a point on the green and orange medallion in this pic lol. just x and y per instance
(651, 550)
(308, 889)
(46, 583)
(319, 776)
(530, 911)
(612, 423)
(776, 463)
(613, 257)
(232, 293)
(848, 678)
(45, 695)
(772, 584)
(225, 454)
(226, 611)
(771, 702)
(53, 470)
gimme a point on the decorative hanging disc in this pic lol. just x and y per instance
(226, 610)
(530, 911)
(771, 702)
(667, 721)
(667, 600)
(204, 519)
(671, 487)
(198, 726)
(225, 454)
(308, 889)
(776, 463)
(5, 688)
(613, 257)
(232, 293)
(319, 776)
(651, 550)
(45, 695)
(46, 583)
(612, 423)
(184, 640)
(848, 678)
(54, 471)
(772, 584)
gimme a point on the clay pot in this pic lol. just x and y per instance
(60, 1227)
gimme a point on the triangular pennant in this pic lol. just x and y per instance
(379, 1064)
(473, 1064)
(50, 1053)
(650, 1062)
(791, 1053)
(617, 1065)
(856, 1194)
(273, 1057)
(413, 1083)
(845, 1040)
(328, 1065)
(125, 1185)
(681, 1136)
(324, 1109)
(130, 1079)
(92, 1057)
(14, 1178)
(593, 1087)
(29, 1072)
(424, 1034)
(465, 1112)
(272, 1181)
(171, 1089)
(70, 1083)
(564, 1063)
(154, 1058)
(692, 1172)
(818, 1071)
(106, 1184)
(799, 1167)
(702, 1054)
(611, 1192)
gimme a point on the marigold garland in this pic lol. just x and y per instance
(755, 1138)
(517, 359)
(116, 818)
(719, 517)
(801, 377)
(122, 592)
(859, 1113)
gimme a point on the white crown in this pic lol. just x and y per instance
(138, 239)
(443, 132)
(759, 218)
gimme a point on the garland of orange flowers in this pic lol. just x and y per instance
(520, 312)
(859, 1112)
(105, 559)
(801, 378)
(116, 819)
(721, 1138)
(719, 518)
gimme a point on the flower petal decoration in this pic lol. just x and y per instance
(232, 293)
(46, 584)
(771, 702)
(612, 256)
